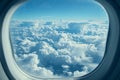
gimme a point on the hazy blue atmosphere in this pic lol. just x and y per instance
(60, 9)
(59, 38)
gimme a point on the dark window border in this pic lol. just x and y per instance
(111, 48)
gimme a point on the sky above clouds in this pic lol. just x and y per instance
(59, 38)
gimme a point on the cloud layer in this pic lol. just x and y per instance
(58, 49)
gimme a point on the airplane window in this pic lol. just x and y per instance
(59, 38)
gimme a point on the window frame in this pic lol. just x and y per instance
(14, 72)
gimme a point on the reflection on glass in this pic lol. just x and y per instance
(59, 38)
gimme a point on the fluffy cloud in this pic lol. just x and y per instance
(79, 73)
(29, 63)
(59, 49)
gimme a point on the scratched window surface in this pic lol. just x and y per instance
(59, 38)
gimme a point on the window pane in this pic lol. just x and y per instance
(59, 38)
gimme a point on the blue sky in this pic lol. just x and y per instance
(60, 9)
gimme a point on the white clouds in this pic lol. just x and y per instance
(27, 44)
(60, 49)
(79, 73)
(65, 66)
(92, 48)
(47, 49)
(30, 62)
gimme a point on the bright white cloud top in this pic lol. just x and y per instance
(59, 38)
